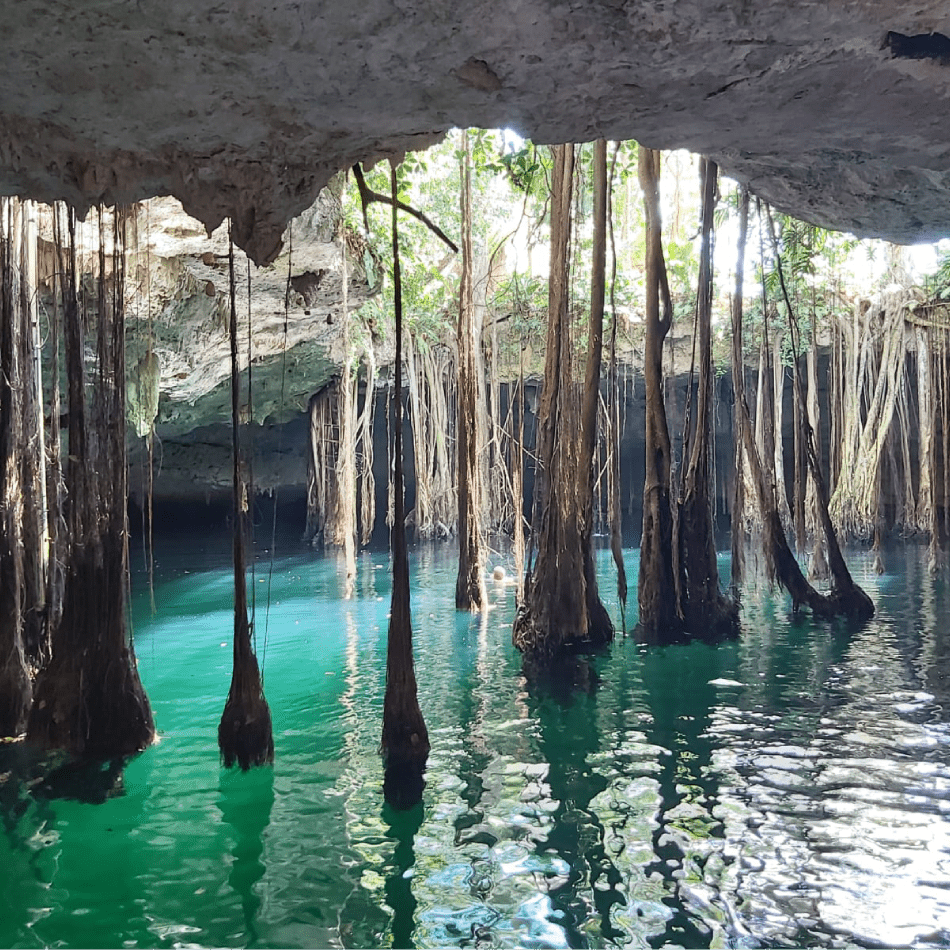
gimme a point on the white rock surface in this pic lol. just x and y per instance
(247, 108)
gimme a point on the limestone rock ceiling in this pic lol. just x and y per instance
(246, 108)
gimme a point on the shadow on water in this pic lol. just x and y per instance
(404, 825)
(245, 801)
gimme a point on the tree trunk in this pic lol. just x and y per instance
(89, 700)
(615, 515)
(35, 537)
(561, 610)
(818, 562)
(739, 504)
(660, 620)
(15, 688)
(405, 740)
(706, 613)
(245, 734)
(846, 597)
(778, 429)
(345, 522)
(925, 433)
(470, 584)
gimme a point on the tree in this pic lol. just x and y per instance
(15, 686)
(405, 740)
(89, 700)
(470, 586)
(656, 589)
(561, 609)
(704, 610)
(245, 734)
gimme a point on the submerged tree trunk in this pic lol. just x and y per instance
(613, 501)
(89, 700)
(706, 613)
(405, 740)
(470, 584)
(660, 620)
(15, 688)
(818, 561)
(846, 597)
(245, 734)
(561, 610)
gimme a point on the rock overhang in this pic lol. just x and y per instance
(245, 110)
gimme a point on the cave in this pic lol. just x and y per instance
(205, 191)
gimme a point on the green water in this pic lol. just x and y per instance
(789, 789)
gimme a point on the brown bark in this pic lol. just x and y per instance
(561, 610)
(656, 589)
(15, 688)
(706, 613)
(738, 381)
(245, 734)
(846, 597)
(33, 455)
(613, 502)
(405, 740)
(89, 700)
(470, 583)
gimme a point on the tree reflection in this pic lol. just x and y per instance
(404, 824)
(245, 802)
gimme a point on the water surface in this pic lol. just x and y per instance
(788, 789)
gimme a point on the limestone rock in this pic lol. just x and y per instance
(834, 111)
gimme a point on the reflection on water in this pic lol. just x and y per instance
(791, 788)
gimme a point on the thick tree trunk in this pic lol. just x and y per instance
(405, 740)
(89, 700)
(707, 614)
(561, 610)
(245, 734)
(470, 583)
(660, 620)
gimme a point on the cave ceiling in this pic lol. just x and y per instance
(834, 111)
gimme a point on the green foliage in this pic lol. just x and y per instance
(937, 284)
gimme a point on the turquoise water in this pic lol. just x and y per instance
(788, 789)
